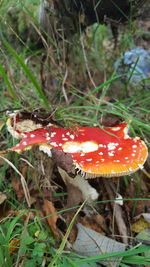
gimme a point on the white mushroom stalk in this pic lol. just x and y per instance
(89, 193)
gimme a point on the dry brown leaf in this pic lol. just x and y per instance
(28, 214)
(90, 243)
(50, 209)
(74, 196)
(110, 120)
(17, 186)
(8, 95)
(14, 245)
(117, 213)
(90, 222)
(3, 197)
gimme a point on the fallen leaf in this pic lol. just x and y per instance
(110, 120)
(74, 196)
(142, 222)
(90, 243)
(3, 197)
(17, 186)
(28, 214)
(94, 222)
(14, 245)
(8, 95)
(117, 212)
(50, 209)
(144, 237)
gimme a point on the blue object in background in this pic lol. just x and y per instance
(137, 61)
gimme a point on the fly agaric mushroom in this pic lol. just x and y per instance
(95, 151)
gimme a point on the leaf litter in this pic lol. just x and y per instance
(63, 177)
(103, 228)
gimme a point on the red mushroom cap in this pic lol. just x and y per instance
(116, 155)
(95, 151)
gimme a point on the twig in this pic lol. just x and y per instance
(117, 214)
(86, 63)
(63, 87)
(23, 182)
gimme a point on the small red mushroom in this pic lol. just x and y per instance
(107, 151)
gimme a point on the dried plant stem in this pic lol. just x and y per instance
(86, 63)
(23, 181)
(63, 87)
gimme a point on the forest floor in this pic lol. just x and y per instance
(43, 216)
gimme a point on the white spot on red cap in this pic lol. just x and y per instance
(88, 159)
(112, 146)
(100, 153)
(134, 146)
(65, 139)
(111, 154)
(102, 160)
(72, 136)
(32, 135)
(53, 134)
(48, 138)
(120, 148)
(53, 144)
(24, 143)
(100, 145)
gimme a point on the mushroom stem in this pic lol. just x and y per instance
(88, 192)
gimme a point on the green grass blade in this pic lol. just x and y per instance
(7, 82)
(12, 225)
(130, 252)
(28, 73)
(64, 240)
(108, 82)
(137, 260)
